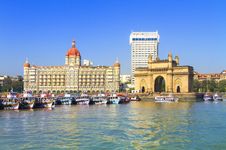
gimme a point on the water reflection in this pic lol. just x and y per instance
(157, 123)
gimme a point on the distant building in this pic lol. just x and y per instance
(2, 80)
(210, 76)
(125, 78)
(71, 77)
(87, 62)
(143, 44)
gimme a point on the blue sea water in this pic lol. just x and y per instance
(137, 125)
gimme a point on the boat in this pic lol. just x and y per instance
(48, 103)
(99, 99)
(123, 98)
(84, 99)
(64, 101)
(217, 97)
(28, 101)
(135, 98)
(113, 99)
(208, 97)
(44, 102)
(168, 98)
(11, 102)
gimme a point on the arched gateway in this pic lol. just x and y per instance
(164, 76)
(159, 84)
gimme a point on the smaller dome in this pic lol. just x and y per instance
(117, 65)
(73, 51)
(26, 64)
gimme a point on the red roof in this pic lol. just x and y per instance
(73, 51)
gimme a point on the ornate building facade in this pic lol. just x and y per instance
(210, 76)
(164, 76)
(71, 77)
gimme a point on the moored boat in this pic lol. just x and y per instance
(64, 101)
(168, 98)
(11, 105)
(28, 101)
(123, 98)
(217, 97)
(45, 101)
(11, 102)
(84, 99)
(113, 99)
(99, 99)
(135, 98)
(208, 97)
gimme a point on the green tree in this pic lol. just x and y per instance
(7, 84)
(196, 86)
(212, 86)
(17, 86)
(204, 85)
(222, 86)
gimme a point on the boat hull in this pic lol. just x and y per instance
(11, 106)
(27, 105)
(85, 102)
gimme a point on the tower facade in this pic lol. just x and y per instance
(142, 45)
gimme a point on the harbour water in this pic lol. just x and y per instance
(137, 125)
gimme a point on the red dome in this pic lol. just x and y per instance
(73, 51)
(117, 65)
(26, 65)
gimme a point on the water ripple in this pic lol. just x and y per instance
(141, 125)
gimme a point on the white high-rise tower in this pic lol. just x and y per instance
(143, 44)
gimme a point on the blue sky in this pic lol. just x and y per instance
(43, 31)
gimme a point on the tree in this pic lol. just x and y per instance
(196, 86)
(17, 86)
(222, 86)
(7, 84)
(212, 85)
(204, 85)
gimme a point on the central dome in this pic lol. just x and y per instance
(73, 51)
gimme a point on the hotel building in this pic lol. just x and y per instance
(143, 44)
(71, 77)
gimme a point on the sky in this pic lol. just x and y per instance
(42, 31)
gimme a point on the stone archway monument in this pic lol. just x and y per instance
(164, 76)
(159, 85)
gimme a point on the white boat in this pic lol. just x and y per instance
(47, 103)
(64, 101)
(28, 101)
(99, 99)
(208, 97)
(11, 105)
(169, 98)
(84, 99)
(114, 99)
(135, 98)
(217, 97)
